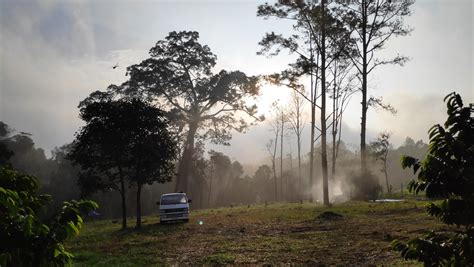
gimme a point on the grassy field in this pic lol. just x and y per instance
(259, 235)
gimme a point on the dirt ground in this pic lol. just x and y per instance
(353, 233)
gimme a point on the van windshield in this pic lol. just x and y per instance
(173, 199)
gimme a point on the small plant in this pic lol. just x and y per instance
(27, 239)
(446, 173)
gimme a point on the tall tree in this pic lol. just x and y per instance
(372, 24)
(178, 76)
(342, 91)
(318, 35)
(271, 147)
(282, 118)
(297, 122)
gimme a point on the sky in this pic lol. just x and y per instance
(54, 53)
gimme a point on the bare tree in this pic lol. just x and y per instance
(282, 118)
(271, 147)
(342, 91)
(297, 122)
(381, 146)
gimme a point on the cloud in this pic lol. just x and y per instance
(415, 115)
(54, 53)
(47, 68)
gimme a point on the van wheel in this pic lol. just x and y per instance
(186, 220)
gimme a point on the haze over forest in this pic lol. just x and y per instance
(54, 53)
(243, 132)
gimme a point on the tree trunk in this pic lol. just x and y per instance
(139, 206)
(274, 166)
(335, 122)
(299, 163)
(210, 187)
(201, 199)
(324, 160)
(281, 156)
(124, 203)
(185, 164)
(363, 152)
(313, 125)
(289, 192)
(386, 176)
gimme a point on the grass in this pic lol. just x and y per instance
(279, 233)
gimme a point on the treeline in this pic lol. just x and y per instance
(218, 181)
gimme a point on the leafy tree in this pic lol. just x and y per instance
(28, 240)
(150, 146)
(381, 147)
(263, 179)
(63, 178)
(125, 139)
(447, 172)
(25, 157)
(372, 24)
(5, 153)
(221, 167)
(178, 75)
(236, 170)
(202, 173)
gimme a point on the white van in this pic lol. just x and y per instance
(174, 207)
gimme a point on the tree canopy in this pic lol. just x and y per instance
(178, 76)
(125, 139)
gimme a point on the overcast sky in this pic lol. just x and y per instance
(54, 53)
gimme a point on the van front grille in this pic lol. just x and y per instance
(174, 210)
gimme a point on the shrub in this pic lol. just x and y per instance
(26, 239)
(446, 173)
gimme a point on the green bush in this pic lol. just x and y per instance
(446, 173)
(27, 239)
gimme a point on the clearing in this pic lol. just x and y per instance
(303, 234)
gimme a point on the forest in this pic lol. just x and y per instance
(163, 126)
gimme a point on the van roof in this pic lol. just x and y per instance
(173, 194)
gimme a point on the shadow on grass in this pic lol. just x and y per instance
(147, 229)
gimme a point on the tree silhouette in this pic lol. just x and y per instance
(178, 76)
(124, 139)
(5, 153)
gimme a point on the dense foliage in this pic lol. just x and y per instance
(125, 140)
(26, 238)
(447, 172)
